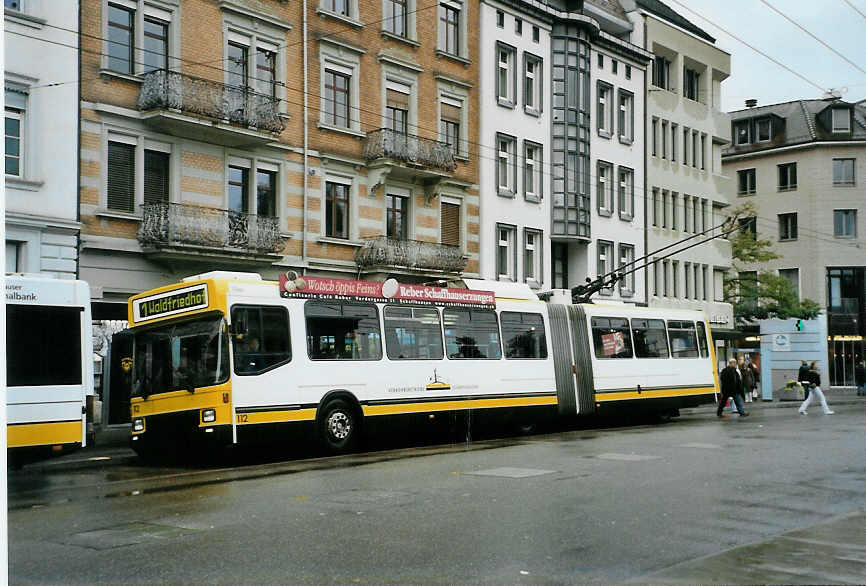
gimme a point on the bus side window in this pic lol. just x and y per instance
(650, 338)
(611, 337)
(523, 335)
(339, 330)
(684, 342)
(413, 333)
(266, 342)
(702, 340)
(471, 333)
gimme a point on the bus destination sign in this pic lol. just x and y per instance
(169, 303)
(390, 290)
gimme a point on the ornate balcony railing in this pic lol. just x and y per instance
(237, 105)
(411, 150)
(381, 251)
(177, 224)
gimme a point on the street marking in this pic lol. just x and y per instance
(508, 472)
(627, 457)
(701, 446)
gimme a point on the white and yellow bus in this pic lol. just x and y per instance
(49, 365)
(224, 356)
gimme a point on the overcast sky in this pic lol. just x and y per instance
(754, 76)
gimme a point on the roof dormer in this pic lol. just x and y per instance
(837, 118)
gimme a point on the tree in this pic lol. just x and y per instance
(759, 294)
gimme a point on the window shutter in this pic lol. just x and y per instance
(450, 113)
(121, 177)
(450, 224)
(397, 99)
(155, 177)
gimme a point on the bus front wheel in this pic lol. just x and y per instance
(339, 426)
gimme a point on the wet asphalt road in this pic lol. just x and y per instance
(773, 498)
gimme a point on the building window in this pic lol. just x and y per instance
(686, 133)
(655, 136)
(266, 193)
(746, 179)
(336, 98)
(13, 142)
(703, 152)
(559, 261)
(655, 206)
(605, 262)
(397, 109)
(675, 278)
(695, 146)
(238, 65)
(626, 116)
(843, 171)
(626, 261)
(396, 17)
(845, 223)
(532, 171)
(449, 28)
(674, 135)
(666, 288)
(699, 284)
(604, 111)
(156, 177)
(506, 253)
(121, 177)
(238, 189)
(841, 120)
(626, 193)
(506, 164)
(604, 189)
(12, 5)
(266, 72)
(532, 83)
(532, 247)
(505, 78)
(665, 208)
(787, 176)
(450, 113)
(518, 26)
(788, 226)
(500, 19)
(749, 225)
(337, 6)
(687, 281)
(155, 50)
(449, 231)
(628, 71)
(536, 34)
(661, 72)
(336, 210)
(762, 129)
(742, 134)
(664, 148)
(691, 84)
(121, 33)
(793, 277)
(397, 216)
(674, 210)
(613, 66)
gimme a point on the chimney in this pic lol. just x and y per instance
(751, 103)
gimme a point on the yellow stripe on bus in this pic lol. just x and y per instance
(275, 416)
(43, 434)
(653, 394)
(423, 407)
(214, 397)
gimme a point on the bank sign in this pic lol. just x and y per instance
(169, 303)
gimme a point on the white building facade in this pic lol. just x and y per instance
(41, 134)
(686, 189)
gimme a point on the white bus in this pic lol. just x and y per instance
(49, 365)
(226, 356)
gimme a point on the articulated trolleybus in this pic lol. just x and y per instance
(225, 356)
(49, 365)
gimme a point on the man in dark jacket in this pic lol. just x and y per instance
(803, 378)
(732, 385)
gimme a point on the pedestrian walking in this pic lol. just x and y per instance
(803, 378)
(732, 385)
(815, 391)
(756, 377)
(860, 377)
(748, 380)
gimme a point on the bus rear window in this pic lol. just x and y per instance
(702, 340)
(413, 333)
(471, 333)
(342, 331)
(43, 346)
(684, 343)
(611, 337)
(650, 338)
(523, 335)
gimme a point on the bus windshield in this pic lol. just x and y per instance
(181, 356)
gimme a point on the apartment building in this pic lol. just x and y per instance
(803, 164)
(538, 161)
(41, 130)
(333, 137)
(686, 189)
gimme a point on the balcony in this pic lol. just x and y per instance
(205, 110)
(186, 231)
(411, 256)
(407, 155)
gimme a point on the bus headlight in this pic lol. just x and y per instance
(138, 424)
(208, 415)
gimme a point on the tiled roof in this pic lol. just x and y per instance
(666, 12)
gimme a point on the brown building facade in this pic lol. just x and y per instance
(240, 135)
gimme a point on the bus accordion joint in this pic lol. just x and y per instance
(638, 390)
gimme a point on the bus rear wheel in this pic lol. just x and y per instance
(339, 426)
